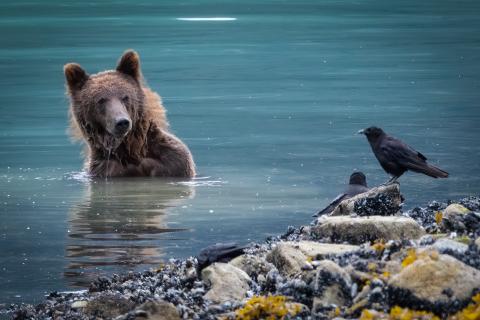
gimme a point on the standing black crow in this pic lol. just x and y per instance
(396, 157)
(356, 185)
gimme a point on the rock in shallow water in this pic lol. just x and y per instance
(357, 230)
(226, 282)
(435, 282)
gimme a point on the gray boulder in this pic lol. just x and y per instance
(157, 310)
(357, 230)
(288, 259)
(227, 282)
(435, 282)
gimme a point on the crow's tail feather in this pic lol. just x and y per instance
(430, 170)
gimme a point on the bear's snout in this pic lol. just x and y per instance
(122, 126)
(118, 122)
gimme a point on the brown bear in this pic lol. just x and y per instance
(123, 123)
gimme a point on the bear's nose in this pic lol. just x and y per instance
(122, 126)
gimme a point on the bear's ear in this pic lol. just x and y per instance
(75, 75)
(130, 64)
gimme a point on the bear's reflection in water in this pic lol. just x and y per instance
(120, 225)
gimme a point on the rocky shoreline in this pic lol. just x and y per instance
(366, 260)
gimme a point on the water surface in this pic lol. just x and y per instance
(268, 97)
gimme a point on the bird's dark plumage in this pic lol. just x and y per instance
(356, 185)
(396, 157)
(220, 252)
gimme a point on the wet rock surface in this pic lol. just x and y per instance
(407, 266)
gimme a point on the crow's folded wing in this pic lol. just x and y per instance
(332, 205)
(402, 154)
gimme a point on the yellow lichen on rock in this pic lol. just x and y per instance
(471, 312)
(371, 266)
(270, 307)
(369, 315)
(413, 255)
(379, 245)
(410, 258)
(438, 217)
(398, 313)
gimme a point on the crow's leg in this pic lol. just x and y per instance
(391, 181)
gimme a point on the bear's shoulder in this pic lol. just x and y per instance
(154, 109)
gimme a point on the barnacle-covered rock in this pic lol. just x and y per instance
(357, 230)
(445, 245)
(288, 259)
(253, 265)
(316, 250)
(382, 200)
(226, 282)
(453, 218)
(330, 284)
(156, 310)
(268, 307)
(108, 306)
(292, 257)
(434, 282)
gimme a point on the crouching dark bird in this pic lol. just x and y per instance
(396, 157)
(356, 185)
(220, 252)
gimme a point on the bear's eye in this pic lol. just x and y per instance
(101, 101)
(125, 99)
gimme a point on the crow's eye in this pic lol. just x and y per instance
(125, 99)
(101, 101)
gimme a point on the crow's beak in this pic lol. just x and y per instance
(361, 131)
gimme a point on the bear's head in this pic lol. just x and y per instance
(107, 107)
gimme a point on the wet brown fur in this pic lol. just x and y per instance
(149, 149)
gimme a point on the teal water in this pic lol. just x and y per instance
(268, 101)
